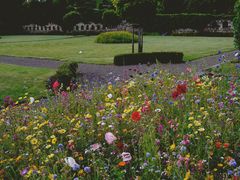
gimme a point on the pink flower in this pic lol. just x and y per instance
(95, 147)
(126, 156)
(110, 138)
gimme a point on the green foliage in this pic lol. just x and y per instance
(64, 75)
(141, 12)
(197, 6)
(115, 37)
(236, 23)
(169, 22)
(148, 58)
(70, 19)
(110, 18)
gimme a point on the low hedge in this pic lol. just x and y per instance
(148, 58)
(116, 37)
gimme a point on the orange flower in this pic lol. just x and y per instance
(226, 145)
(122, 164)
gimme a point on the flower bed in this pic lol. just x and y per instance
(154, 126)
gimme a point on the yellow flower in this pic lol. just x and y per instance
(191, 118)
(187, 176)
(81, 172)
(29, 137)
(88, 116)
(54, 140)
(209, 177)
(172, 147)
(18, 158)
(197, 123)
(201, 129)
(190, 125)
(220, 165)
(34, 141)
(61, 131)
(50, 156)
(48, 146)
(188, 155)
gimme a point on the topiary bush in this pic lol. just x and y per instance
(236, 23)
(65, 74)
(115, 37)
(148, 58)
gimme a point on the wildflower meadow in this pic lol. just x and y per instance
(152, 126)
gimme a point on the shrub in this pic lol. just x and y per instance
(148, 58)
(236, 24)
(170, 22)
(66, 73)
(115, 37)
(110, 18)
(70, 19)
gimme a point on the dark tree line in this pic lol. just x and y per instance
(14, 13)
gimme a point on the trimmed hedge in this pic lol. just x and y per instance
(116, 37)
(166, 23)
(148, 58)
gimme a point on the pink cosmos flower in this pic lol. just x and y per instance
(126, 156)
(95, 147)
(110, 138)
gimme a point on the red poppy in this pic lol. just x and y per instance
(182, 88)
(226, 145)
(175, 94)
(55, 85)
(136, 116)
(120, 145)
(218, 145)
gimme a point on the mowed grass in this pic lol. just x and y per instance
(15, 81)
(84, 49)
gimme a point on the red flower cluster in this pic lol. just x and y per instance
(136, 116)
(181, 89)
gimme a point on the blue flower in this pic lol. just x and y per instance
(76, 167)
(87, 169)
(229, 172)
(148, 154)
(233, 163)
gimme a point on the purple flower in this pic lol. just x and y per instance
(87, 169)
(160, 129)
(233, 163)
(24, 171)
(76, 167)
(221, 105)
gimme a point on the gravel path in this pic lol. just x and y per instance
(101, 71)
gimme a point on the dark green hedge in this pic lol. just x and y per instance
(164, 23)
(148, 58)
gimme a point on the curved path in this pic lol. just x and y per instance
(100, 71)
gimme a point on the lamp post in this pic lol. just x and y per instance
(140, 37)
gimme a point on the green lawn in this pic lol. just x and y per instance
(15, 81)
(67, 48)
